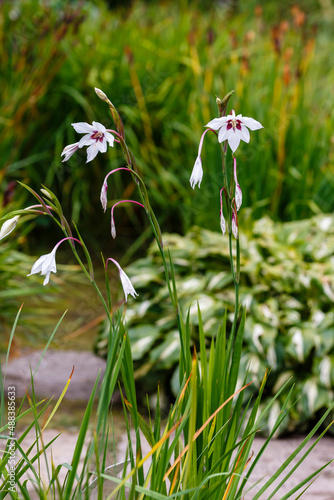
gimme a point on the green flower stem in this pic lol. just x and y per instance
(231, 250)
(235, 269)
(236, 287)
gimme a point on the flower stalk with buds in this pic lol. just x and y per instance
(230, 129)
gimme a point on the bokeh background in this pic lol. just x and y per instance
(162, 64)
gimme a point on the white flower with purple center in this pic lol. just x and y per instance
(234, 128)
(96, 137)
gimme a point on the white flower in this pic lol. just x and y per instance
(127, 285)
(234, 128)
(8, 226)
(45, 265)
(197, 173)
(96, 138)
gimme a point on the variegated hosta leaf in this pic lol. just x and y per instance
(287, 287)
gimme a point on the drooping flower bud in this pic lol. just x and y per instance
(128, 287)
(238, 192)
(113, 227)
(222, 219)
(8, 226)
(222, 222)
(235, 230)
(197, 173)
(103, 196)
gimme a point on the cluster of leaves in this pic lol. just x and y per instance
(287, 287)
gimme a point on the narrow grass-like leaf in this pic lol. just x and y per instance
(80, 442)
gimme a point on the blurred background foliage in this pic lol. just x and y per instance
(162, 65)
(287, 287)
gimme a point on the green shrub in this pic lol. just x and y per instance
(287, 286)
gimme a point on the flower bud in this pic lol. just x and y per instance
(8, 226)
(235, 230)
(103, 196)
(222, 222)
(222, 104)
(46, 193)
(113, 227)
(101, 94)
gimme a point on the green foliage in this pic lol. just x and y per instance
(145, 61)
(202, 450)
(287, 287)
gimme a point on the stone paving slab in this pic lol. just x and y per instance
(54, 372)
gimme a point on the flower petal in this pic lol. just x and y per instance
(99, 127)
(83, 128)
(216, 123)
(37, 267)
(47, 277)
(233, 139)
(86, 140)
(127, 285)
(92, 152)
(49, 263)
(222, 133)
(69, 150)
(110, 138)
(251, 123)
(102, 145)
(245, 133)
